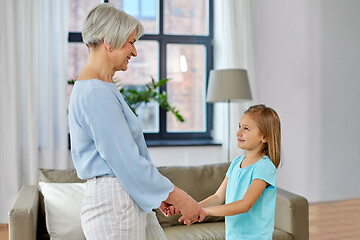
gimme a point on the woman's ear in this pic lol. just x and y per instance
(107, 46)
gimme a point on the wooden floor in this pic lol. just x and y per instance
(328, 221)
(4, 234)
(335, 220)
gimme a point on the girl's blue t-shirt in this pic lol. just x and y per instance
(258, 222)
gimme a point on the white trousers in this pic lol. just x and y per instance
(108, 212)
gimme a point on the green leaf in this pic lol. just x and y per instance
(162, 82)
(134, 98)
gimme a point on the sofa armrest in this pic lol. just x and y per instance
(23, 214)
(292, 214)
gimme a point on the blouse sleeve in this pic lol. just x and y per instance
(115, 143)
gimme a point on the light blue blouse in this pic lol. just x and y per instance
(107, 139)
(258, 223)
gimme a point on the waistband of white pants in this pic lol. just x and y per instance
(103, 178)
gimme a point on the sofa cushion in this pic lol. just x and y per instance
(62, 208)
(58, 176)
(198, 181)
(209, 231)
(203, 231)
(281, 235)
(52, 176)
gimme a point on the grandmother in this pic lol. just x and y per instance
(107, 142)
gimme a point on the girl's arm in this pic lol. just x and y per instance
(218, 198)
(255, 190)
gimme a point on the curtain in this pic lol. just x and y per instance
(232, 49)
(33, 69)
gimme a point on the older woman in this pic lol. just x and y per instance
(107, 142)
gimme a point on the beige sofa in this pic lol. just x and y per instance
(27, 215)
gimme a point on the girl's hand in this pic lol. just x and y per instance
(164, 208)
(188, 221)
(168, 209)
(173, 211)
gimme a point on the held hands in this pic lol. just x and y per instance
(191, 212)
(189, 221)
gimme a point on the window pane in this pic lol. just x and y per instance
(192, 16)
(139, 72)
(78, 11)
(147, 11)
(186, 67)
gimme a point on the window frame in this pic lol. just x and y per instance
(163, 137)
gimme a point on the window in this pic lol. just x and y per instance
(141, 9)
(177, 44)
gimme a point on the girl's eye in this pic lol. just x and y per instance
(246, 128)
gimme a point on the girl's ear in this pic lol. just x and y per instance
(264, 140)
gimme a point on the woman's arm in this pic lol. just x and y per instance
(218, 198)
(253, 193)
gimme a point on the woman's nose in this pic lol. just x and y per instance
(134, 52)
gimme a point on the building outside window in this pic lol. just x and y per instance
(177, 44)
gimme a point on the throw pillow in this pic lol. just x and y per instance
(62, 209)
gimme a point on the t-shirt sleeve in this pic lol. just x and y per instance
(266, 171)
(114, 141)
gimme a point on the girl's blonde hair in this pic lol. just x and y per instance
(268, 123)
(105, 22)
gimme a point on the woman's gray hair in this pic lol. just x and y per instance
(105, 22)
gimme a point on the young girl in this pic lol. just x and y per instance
(249, 188)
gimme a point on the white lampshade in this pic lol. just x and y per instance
(228, 84)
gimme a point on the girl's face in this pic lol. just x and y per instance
(249, 136)
(123, 55)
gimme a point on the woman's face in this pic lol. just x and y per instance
(123, 55)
